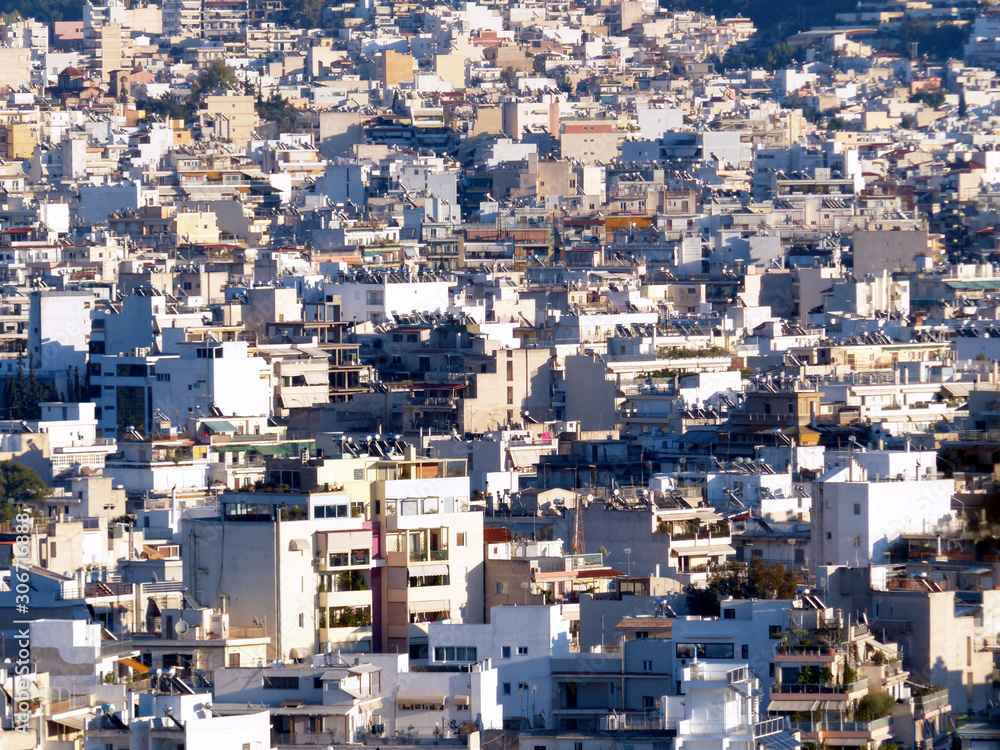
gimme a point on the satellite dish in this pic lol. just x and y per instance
(181, 627)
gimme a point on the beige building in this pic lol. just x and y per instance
(15, 67)
(394, 68)
(229, 117)
(451, 67)
(589, 141)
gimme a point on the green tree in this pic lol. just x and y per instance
(24, 392)
(216, 78)
(278, 110)
(933, 98)
(167, 106)
(304, 13)
(758, 580)
(19, 486)
(875, 705)
(766, 581)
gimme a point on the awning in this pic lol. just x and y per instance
(461, 700)
(707, 551)
(434, 605)
(272, 450)
(347, 541)
(781, 706)
(218, 425)
(316, 378)
(133, 664)
(523, 458)
(832, 705)
(427, 570)
(299, 545)
(312, 709)
(421, 700)
(74, 721)
(295, 400)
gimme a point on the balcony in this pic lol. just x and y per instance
(807, 654)
(434, 555)
(815, 688)
(931, 704)
(843, 729)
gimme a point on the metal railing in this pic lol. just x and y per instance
(806, 688)
(116, 648)
(842, 726)
(769, 726)
(931, 701)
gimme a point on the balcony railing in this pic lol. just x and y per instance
(842, 726)
(808, 688)
(931, 701)
(805, 651)
(770, 726)
(116, 648)
(437, 555)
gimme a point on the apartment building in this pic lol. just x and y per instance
(433, 548)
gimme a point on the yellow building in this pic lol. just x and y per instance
(17, 140)
(196, 228)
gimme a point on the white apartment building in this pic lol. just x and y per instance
(857, 514)
(180, 719)
(377, 297)
(203, 379)
(520, 643)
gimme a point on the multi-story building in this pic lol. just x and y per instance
(433, 547)
(182, 19)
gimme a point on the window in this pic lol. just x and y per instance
(773, 631)
(281, 682)
(359, 475)
(510, 395)
(577, 746)
(523, 687)
(648, 701)
(505, 652)
(744, 651)
(829, 535)
(729, 614)
(705, 651)
(460, 539)
(647, 665)
(302, 620)
(455, 653)
(771, 669)
(506, 688)
(857, 509)
(503, 588)
(522, 650)
(857, 541)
